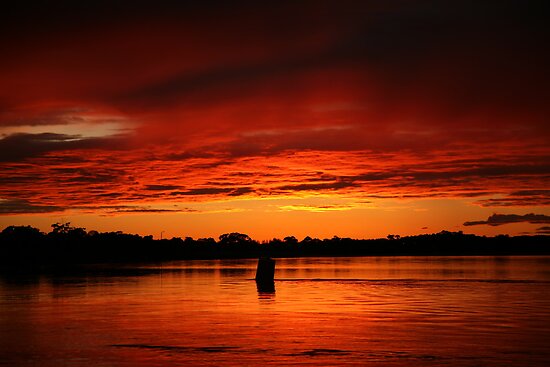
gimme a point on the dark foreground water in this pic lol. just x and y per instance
(405, 311)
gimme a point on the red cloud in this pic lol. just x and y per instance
(402, 100)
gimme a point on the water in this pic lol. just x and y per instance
(404, 311)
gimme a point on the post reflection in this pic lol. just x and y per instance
(266, 289)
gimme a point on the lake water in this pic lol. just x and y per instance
(400, 311)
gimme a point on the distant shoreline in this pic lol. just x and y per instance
(25, 248)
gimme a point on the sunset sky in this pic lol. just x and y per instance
(321, 118)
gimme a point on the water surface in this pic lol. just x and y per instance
(368, 311)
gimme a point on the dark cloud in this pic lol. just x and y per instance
(202, 191)
(13, 178)
(210, 165)
(500, 219)
(54, 116)
(519, 198)
(241, 191)
(162, 187)
(102, 195)
(150, 210)
(20, 206)
(458, 179)
(182, 156)
(316, 187)
(502, 170)
(114, 209)
(543, 230)
(18, 147)
(458, 51)
(323, 139)
(90, 176)
(400, 43)
(389, 138)
(230, 191)
(531, 193)
(225, 83)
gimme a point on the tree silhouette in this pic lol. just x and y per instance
(234, 238)
(291, 240)
(21, 232)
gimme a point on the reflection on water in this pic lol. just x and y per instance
(404, 311)
(265, 288)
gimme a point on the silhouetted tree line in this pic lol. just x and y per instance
(25, 247)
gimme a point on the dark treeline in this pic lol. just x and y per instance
(25, 247)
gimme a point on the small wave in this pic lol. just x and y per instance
(171, 348)
(412, 280)
(320, 352)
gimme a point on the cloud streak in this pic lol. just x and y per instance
(18, 147)
(21, 206)
(501, 219)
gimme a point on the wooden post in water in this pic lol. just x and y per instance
(265, 272)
